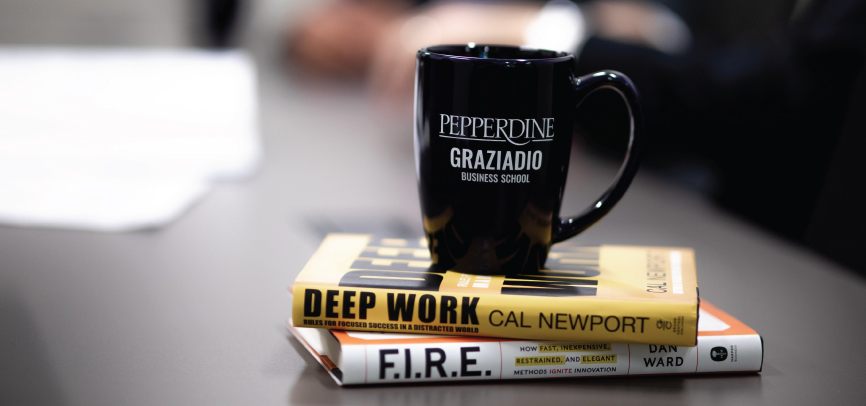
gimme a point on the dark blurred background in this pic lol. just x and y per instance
(757, 105)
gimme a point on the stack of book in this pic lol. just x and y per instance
(372, 311)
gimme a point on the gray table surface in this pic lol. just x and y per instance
(193, 313)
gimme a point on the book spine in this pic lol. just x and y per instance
(489, 315)
(433, 362)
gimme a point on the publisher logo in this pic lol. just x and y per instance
(719, 353)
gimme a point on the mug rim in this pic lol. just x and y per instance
(441, 52)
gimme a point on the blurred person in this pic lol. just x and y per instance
(336, 39)
(777, 118)
(377, 39)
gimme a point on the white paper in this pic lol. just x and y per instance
(118, 139)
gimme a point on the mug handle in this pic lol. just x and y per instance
(583, 87)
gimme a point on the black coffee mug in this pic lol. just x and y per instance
(493, 130)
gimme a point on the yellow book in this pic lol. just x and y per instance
(625, 294)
